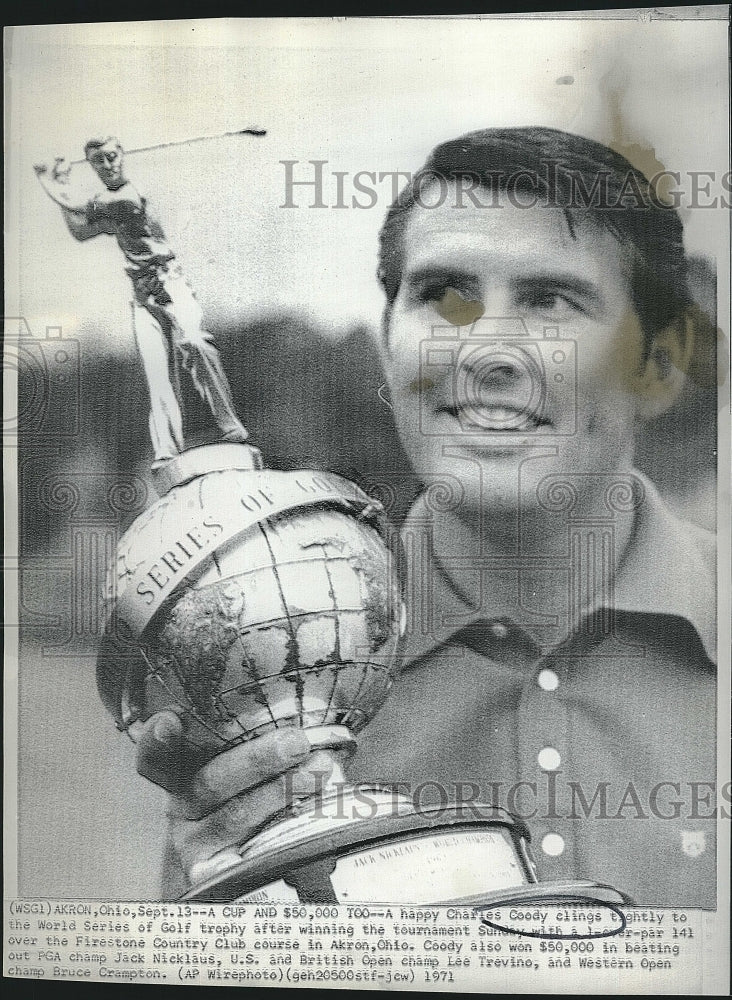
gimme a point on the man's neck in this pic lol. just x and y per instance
(544, 571)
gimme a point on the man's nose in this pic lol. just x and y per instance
(494, 368)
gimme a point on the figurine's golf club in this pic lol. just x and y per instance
(258, 132)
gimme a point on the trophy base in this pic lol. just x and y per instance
(369, 844)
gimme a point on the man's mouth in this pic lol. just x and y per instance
(495, 418)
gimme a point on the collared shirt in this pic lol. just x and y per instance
(604, 742)
(139, 233)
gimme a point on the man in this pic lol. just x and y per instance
(166, 314)
(560, 655)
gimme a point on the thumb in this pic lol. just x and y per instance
(163, 754)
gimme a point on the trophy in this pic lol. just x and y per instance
(250, 599)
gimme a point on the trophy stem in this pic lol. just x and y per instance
(329, 743)
(331, 738)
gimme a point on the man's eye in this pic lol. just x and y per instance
(452, 304)
(552, 302)
(447, 292)
(432, 292)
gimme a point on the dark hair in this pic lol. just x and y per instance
(576, 175)
(100, 141)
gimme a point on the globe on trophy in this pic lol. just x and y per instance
(249, 599)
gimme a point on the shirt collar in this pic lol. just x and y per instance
(667, 569)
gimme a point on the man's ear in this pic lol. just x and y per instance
(666, 367)
(383, 343)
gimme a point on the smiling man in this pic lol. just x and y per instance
(559, 659)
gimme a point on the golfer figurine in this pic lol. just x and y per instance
(166, 313)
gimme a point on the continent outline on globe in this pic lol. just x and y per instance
(177, 643)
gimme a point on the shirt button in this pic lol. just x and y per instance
(499, 630)
(553, 845)
(547, 680)
(549, 759)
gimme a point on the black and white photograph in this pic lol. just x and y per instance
(366, 465)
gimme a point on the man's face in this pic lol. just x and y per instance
(546, 381)
(107, 161)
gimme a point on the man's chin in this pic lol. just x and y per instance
(494, 459)
(467, 486)
(495, 481)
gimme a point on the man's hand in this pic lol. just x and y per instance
(217, 806)
(59, 171)
(55, 182)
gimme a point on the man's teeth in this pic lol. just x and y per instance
(499, 417)
(498, 412)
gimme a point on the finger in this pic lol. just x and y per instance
(240, 817)
(163, 755)
(232, 824)
(244, 767)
